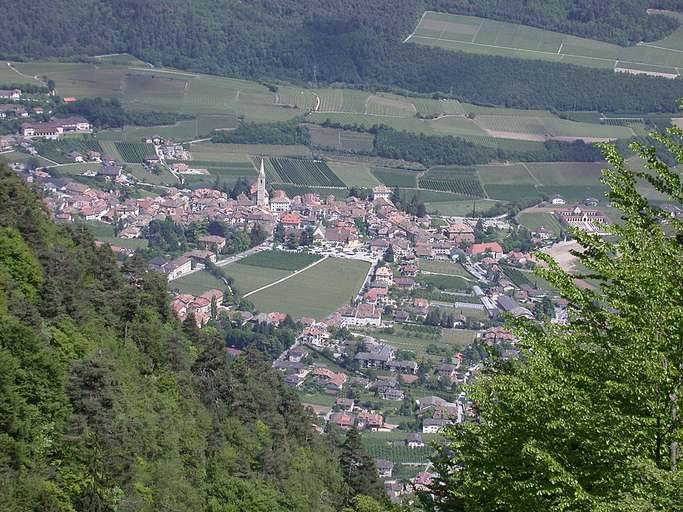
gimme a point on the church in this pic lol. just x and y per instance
(259, 194)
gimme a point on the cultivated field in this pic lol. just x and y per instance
(316, 292)
(484, 36)
(354, 174)
(135, 152)
(459, 208)
(445, 268)
(196, 283)
(343, 140)
(280, 260)
(314, 173)
(396, 177)
(459, 180)
(453, 339)
(58, 150)
(536, 221)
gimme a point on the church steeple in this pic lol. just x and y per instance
(261, 193)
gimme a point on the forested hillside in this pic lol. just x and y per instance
(108, 403)
(352, 41)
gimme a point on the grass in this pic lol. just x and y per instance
(446, 282)
(317, 292)
(248, 277)
(459, 208)
(301, 172)
(197, 283)
(395, 177)
(280, 260)
(105, 233)
(537, 220)
(139, 172)
(343, 140)
(444, 267)
(229, 152)
(354, 174)
(455, 339)
(484, 36)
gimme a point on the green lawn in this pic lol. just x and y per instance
(197, 283)
(445, 267)
(16, 156)
(454, 339)
(537, 220)
(459, 207)
(354, 174)
(248, 277)
(316, 292)
(281, 260)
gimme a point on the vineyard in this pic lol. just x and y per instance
(381, 449)
(314, 173)
(517, 277)
(58, 150)
(459, 180)
(135, 152)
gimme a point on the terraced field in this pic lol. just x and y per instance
(135, 152)
(459, 180)
(315, 173)
(485, 36)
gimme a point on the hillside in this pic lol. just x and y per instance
(108, 403)
(352, 42)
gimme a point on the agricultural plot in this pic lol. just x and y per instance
(386, 105)
(342, 100)
(293, 97)
(383, 449)
(445, 282)
(427, 107)
(512, 192)
(209, 123)
(280, 260)
(164, 177)
(536, 221)
(459, 180)
(314, 173)
(180, 131)
(341, 140)
(396, 177)
(459, 208)
(445, 268)
(316, 292)
(354, 174)
(248, 278)
(241, 152)
(452, 339)
(485, 36)
(58, 150)
(197, 283)
(323, 192)
(135, 152)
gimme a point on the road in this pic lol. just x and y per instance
(236, 257)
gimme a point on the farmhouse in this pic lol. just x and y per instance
(385, 468)
(460, 232)
(13, 94)
(55, 128)
(212, 242)
(492, 248)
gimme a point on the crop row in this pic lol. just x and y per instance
(135, 152)
(58, 150)
(464, 185)
(304, 172)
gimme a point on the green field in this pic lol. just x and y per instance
(197, 283)
(338, 139)
(459, 208)
(395, 177)
(16, 156)
(163, 178)
(58, 150)
(458, 180)
(105, 233)
(489, 37)
(312, 173)
(280, 260)
(402, 339)
(445, 267)
(540, 220)
(135, 152)
(354, 174)
(316, 292)
(248, 278)
(446, 282)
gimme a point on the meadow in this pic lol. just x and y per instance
(196, 283)
(444, 267)
(356, 174)
(280, 260)
(316, 292)
(453, 339)
(489, 37)
(539, 220)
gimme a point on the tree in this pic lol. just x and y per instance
(358, 468)
(389, 256)
(590, 419)
(279, 233)
(257, 235)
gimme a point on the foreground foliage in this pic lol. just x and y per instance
(590, 419)
(107, 403)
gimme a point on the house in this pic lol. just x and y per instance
(280, 203)
(414, 440)
(369, 420)
(381, 192)
(11, 94)
(213, 295)
(212, 242)
(586, 219)
(385, 275)
(110, 170)
(389, 393)
(343, 419)
(377, 357)
(177, 268)
(362, 315)
(460, 232)
(509, 305)
(492, 248)
(403, 366)
(558, 199)
(345, 404)
(432, 426)
(291, 220)
(296, 354)
(384, 467)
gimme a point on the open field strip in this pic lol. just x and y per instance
(485, 36)
(286, 277)
(317, 292)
